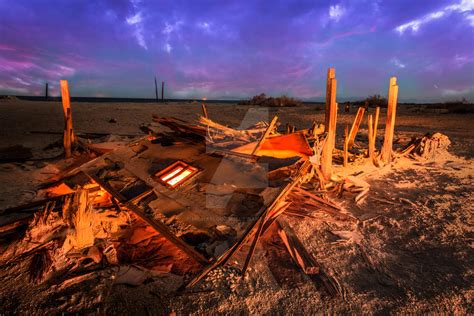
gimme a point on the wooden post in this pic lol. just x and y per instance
(386, 153)
(371, 149)
(162, 91)
(68, 135)
(355, 126)
(204, 109)
(326, 159)
(376, 122)
(156, 91)
(265, 135)
(46, 92)
(331, 75)
(346, 146)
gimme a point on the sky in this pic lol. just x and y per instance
(236, 49)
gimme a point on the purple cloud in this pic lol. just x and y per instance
(235, 49)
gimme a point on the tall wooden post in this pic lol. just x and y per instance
(162, 91)
(326, 157)
(386, 153)
(46, 92)
(156, 91)
(331, 75)
(371, 150)
(68, 135)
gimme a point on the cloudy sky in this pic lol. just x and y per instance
(235, 49)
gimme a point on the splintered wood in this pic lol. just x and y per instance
(297, 251)
(386, 153)
(265, 135)
(68, 137)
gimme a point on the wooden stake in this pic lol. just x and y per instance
(376, 122)
(331, 75)
(386, 153)
(265, 135)
(204, 110)
(162, 91)
(346, 146)
(156, 90)
(355, 126)
(326, 159)
(68, 135)
(371, 149)
(46, 92)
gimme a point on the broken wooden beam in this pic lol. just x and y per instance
(331, 75)
(68, 135)
(265, 135)
(328, 148)
(355, 126)
(297, 251)
(386, 152)
(158, 226)
(306, 261)
(302, 171)
(252, 228)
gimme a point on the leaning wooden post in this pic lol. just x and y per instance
(331, 75)
(265, 135)
(355, 126)
(386, 153)
(68, 135)
(326, 157)
(46, 92)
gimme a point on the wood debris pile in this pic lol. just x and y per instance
(188, 197)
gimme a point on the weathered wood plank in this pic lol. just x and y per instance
(355, 126)
(326, 159)
(331, 75)
(386, 152)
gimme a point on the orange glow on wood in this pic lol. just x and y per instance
(176, 174)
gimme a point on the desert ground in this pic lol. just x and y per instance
(410, 252)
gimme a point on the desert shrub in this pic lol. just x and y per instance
(263, 100)
(376, 100)
(459, 106)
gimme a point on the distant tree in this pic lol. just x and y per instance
(263, 100)
(375, 100)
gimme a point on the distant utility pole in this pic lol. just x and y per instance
(46, 92)
(156, 90)
(162, 91)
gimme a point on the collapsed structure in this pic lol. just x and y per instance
(187, 197)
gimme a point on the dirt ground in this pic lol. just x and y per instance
(410, 252)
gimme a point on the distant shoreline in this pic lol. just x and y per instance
(152, 100)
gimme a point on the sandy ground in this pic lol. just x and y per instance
(411, 251)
